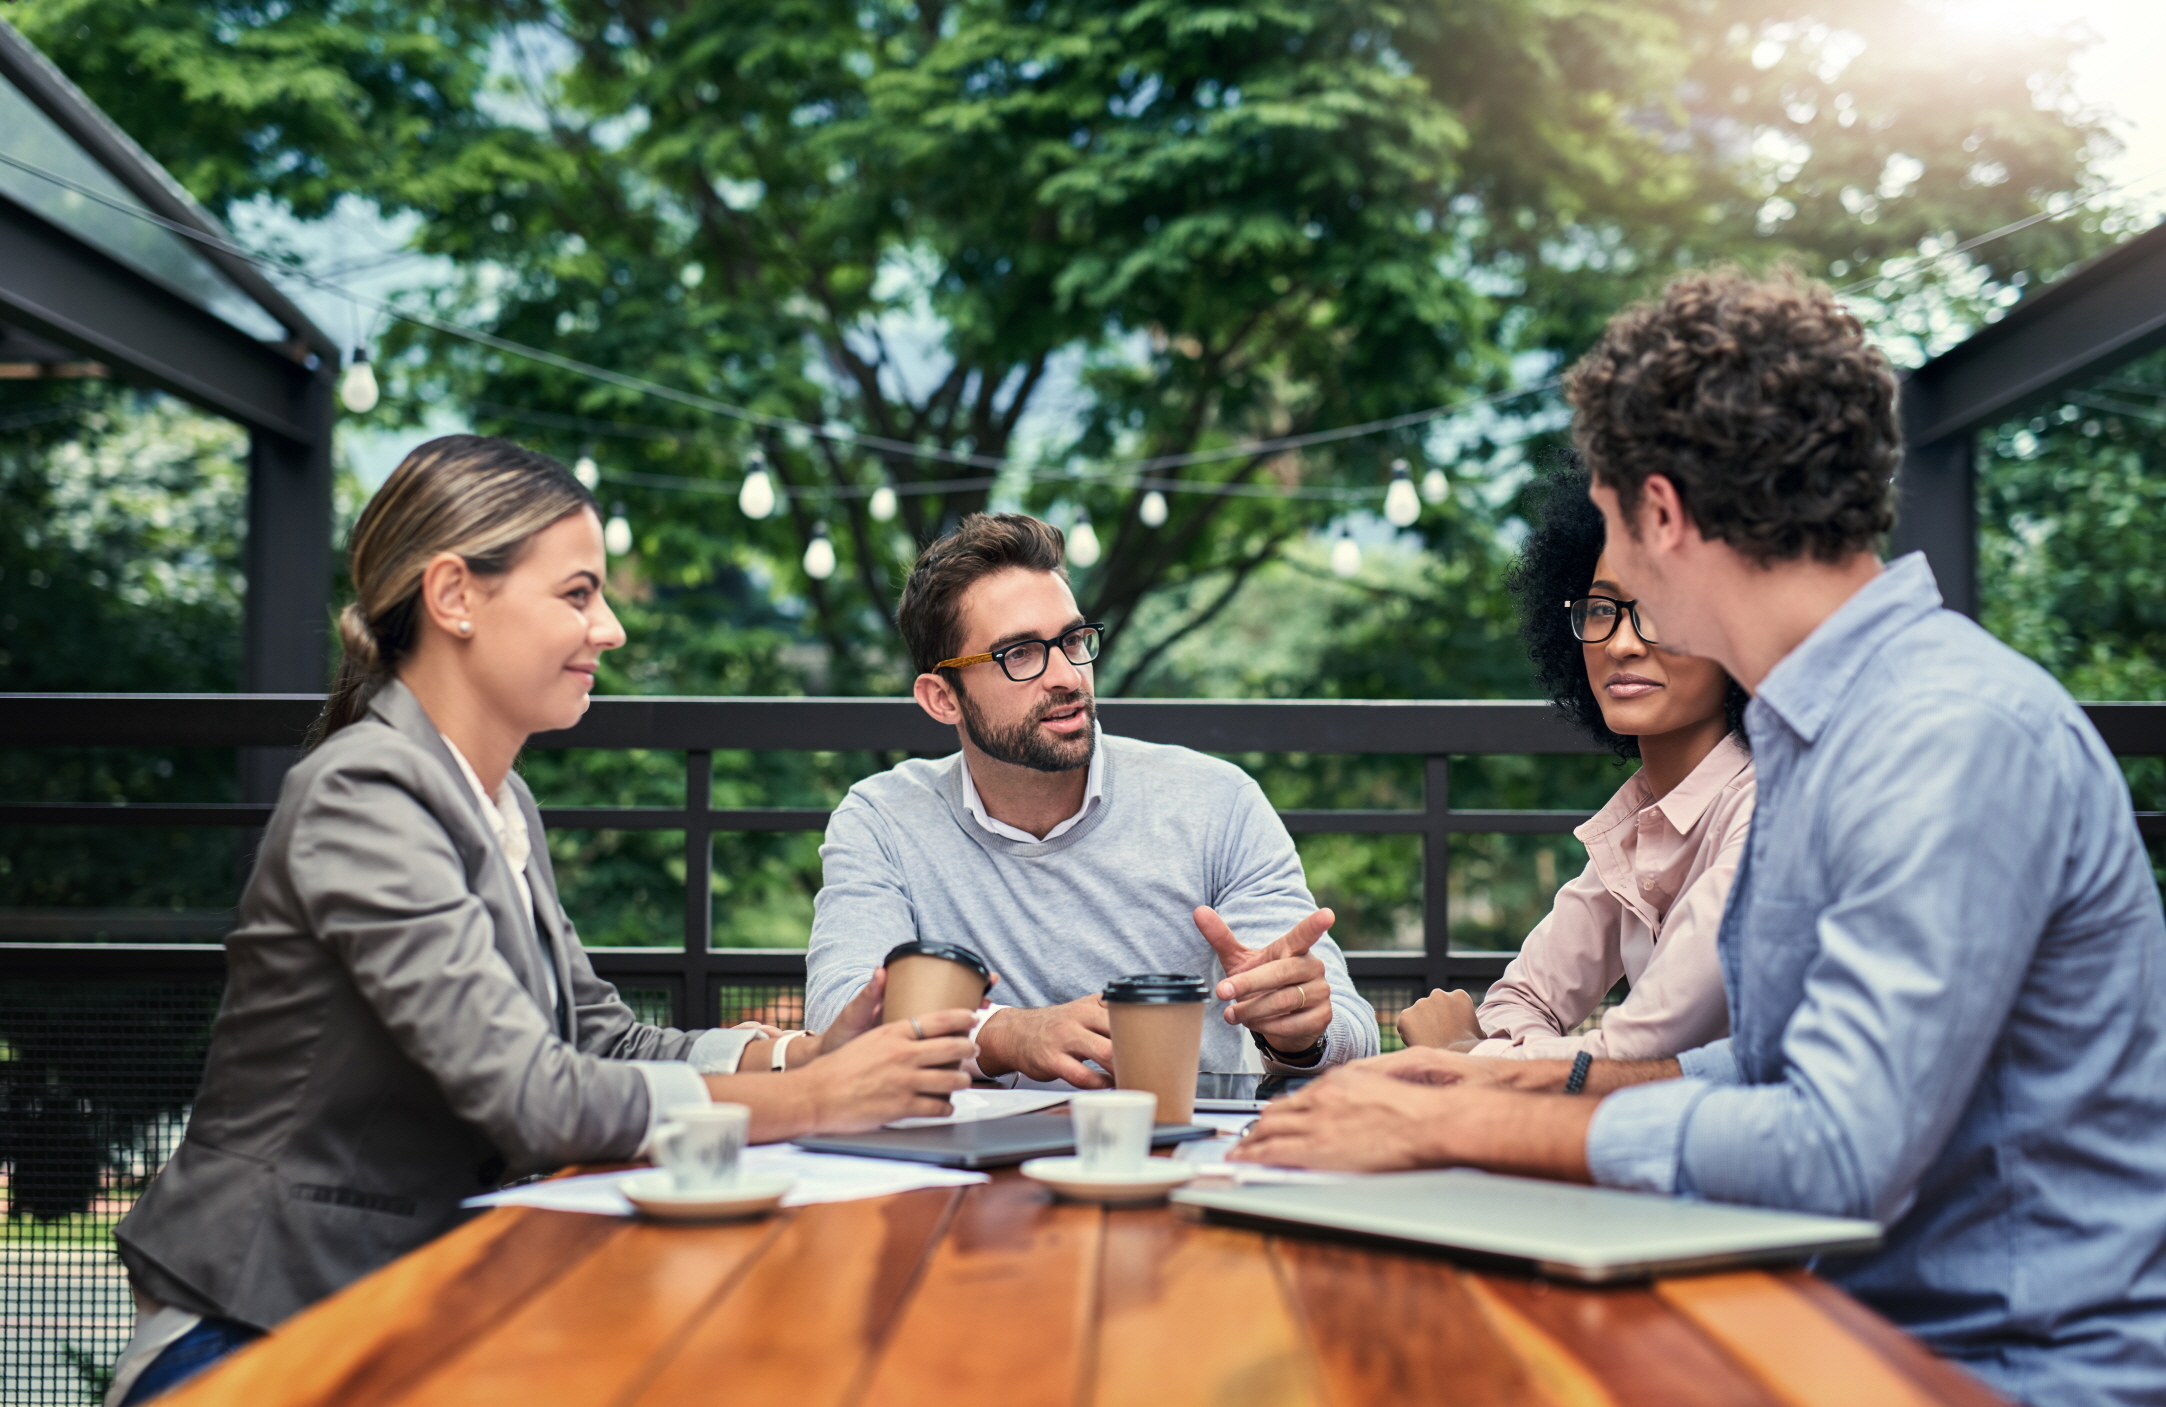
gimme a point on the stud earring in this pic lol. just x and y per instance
(466, 627)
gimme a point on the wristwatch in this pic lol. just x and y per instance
(1314, 1055)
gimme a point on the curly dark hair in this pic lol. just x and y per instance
(1760, 400)
(1556, 564)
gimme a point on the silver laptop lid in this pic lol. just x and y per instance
(1588, 1234)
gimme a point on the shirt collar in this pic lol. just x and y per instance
(1690, 798)
(1094, 791)
(1805, 685)
(505, 818)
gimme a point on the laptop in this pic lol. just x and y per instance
(1589, 1234)
(983, 1143)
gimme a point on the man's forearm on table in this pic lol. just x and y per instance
(1505, 1131)
(1603, 1076)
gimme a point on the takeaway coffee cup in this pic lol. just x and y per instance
(926, 977)
(1157, 1020)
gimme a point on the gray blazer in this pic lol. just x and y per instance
(386, 1046)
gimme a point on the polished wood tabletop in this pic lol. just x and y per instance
(996, 1294)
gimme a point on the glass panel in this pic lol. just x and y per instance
(153, 884)
(623, 889)
(763, 887)
(1503, 885)
(1371, 883)
(152, 249)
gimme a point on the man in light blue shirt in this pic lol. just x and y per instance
(1944, 953)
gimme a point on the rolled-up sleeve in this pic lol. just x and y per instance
(1915, 962)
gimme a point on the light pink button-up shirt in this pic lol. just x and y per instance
(1646, 908)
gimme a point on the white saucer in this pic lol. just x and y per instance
(656, 1195)
(1066, 1177)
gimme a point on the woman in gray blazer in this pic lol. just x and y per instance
(409, 1018)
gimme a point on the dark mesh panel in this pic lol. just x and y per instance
(657, 1006)
(1389, 998)
(776, 1003)
(95, 1084)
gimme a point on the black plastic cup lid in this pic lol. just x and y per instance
(1158, 988)
(953, 952)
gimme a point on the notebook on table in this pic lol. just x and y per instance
(988, 1143)
(1588, 1234)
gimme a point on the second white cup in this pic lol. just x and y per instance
(702, 1144)
(1113, 1128)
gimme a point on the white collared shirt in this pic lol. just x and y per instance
(508, 823)
(1094, 793)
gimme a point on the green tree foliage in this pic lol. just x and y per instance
(1202, 224)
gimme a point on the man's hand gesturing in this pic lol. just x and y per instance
(1277, 991)
(1050, 1043)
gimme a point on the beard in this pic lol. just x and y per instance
(1023, 745)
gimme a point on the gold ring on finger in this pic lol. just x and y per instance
(1304, 997)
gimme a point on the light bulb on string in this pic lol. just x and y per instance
(756, 499)
(1435, 487)
(820, 554)
(357, 388)
(883, 504)
(617, 533)
(1402, 505)
(1152, 510)
(1083, 544)
(587, 472)
(1346, 555)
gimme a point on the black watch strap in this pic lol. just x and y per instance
(1314, 1055)
(1577, 1080)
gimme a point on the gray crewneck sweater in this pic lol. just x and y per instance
(1058, 919)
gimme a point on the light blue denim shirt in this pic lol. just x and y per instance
(1946, 966)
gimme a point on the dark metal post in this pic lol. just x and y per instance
(1436, 873)
(697, 1005)
(288, 557)
(1937, 514)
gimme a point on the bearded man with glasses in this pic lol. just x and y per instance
(1067, 858)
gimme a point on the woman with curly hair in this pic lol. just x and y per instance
(1660, 855)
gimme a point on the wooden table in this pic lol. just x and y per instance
(995, 1294)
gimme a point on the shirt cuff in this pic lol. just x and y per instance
(1714, 1062)
(1634, 1138)
(669, 1084)
(718, 1052)
(977, 1024)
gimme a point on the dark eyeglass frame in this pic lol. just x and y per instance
(1096, 630)
(1624, 608)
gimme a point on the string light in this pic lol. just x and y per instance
(1402, 505)
(756, 499)
(820, 554)
(1083, 544)
(883, 504)
(617, 533)
(357, 389)
(1152, 510)
(1435, 487)
(587, 472)
(1346, 555)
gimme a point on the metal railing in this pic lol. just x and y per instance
(695, 972)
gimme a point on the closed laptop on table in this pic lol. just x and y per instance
(985, 1143)
(1589, 1234)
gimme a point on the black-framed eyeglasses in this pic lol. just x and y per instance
(1025, 660)
(1594, 619)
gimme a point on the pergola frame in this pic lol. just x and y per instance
(2109, 311)
(60, 289)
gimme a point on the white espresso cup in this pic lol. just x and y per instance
(1113, 1128)
(702, 1144)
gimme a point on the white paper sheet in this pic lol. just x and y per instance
(973, 1105)
(821, 1177)
(1209, 1156)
